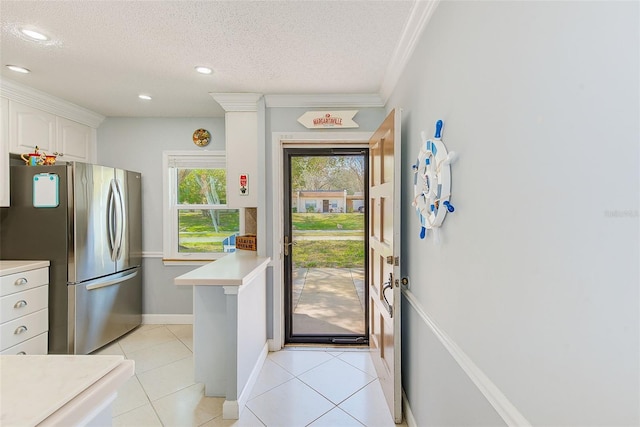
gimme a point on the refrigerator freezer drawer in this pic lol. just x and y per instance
(23, 328)
(102, 310)
(23, 303)
(35, 345)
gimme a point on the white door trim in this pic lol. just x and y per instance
(278, 141)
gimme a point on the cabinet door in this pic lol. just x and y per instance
(74, 140)
(4, 152)
(30, 127)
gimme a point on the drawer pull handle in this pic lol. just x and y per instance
(22, 353)
(21, 281)
(20, 304)
(20, 329)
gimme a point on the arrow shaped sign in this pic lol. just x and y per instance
(328, 119)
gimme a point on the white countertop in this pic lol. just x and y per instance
(11, 267)
(57, 389)
(237, 268)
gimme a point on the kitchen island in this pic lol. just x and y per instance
(60, 390)
(230, 329)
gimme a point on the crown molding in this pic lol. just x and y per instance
(417, 22)
(237, 101)
(49, 103)
(324, 101)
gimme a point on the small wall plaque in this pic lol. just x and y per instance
(201, 137)
(328, 119)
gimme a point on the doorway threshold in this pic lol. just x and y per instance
(328, 347)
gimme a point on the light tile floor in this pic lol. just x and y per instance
(305, 386)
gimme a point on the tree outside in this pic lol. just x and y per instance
(327, 173)
(203, 230)
(328, 239)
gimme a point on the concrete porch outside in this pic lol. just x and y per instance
(328, 301)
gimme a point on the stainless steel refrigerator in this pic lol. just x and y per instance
(86, 220)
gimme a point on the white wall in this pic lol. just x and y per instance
(137, 144)
(536, 279)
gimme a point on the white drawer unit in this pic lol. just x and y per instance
(24, 313)
(31, 346)
(22, 303)
(24, 280)
(21, 329)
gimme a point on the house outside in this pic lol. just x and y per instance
(327, 201)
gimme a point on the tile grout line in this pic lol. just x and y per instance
(144, 390)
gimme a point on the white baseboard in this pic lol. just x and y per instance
(507, 411)
(406, 409)
(253, 377)
(167, 319)
(231, 409)
(273, 346)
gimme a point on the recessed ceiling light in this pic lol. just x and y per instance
(35, 35)
(18, 69)
(204, 70)
(145, 97)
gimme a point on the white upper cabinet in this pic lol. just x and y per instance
(74, 140)
(35, 118)
(30, 127)
(4, 152)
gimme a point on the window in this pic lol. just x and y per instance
(310, 206)
(198, 225)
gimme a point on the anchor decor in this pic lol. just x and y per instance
(432, 183)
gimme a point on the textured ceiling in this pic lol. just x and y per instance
(104, 53)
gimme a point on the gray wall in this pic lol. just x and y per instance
(137, 144)
(536, 278)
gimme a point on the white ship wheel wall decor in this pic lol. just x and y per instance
(432, 183)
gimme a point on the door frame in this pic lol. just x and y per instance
(294, 140)
(316, 150)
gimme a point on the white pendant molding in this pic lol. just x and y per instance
(241, 145)
(48, 103)
(370, 100)
(236, 102)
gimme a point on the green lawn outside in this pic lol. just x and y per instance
(327, 221)
(328, 253)
(198, 235)
(324, 253)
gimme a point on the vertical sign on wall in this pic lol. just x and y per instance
(244, 184)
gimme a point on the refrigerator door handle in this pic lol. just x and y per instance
(119, 220)
(111, 217)
(111, 282)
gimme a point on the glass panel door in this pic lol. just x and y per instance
(325, 246)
